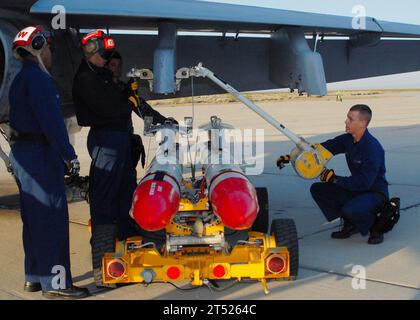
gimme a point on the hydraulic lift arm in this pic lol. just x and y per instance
(307, 160)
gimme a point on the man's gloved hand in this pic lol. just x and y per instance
(134, 85)
(134, 101)
(73, 167)
(282, 161)
(328, 175)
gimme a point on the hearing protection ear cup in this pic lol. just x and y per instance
(38, 42)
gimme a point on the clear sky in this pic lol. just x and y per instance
(403, 11)
(407, 11)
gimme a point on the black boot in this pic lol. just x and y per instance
(375, 238)
(346, 232)
(70, 293)
(32, 286)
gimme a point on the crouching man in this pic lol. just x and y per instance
(357, 198)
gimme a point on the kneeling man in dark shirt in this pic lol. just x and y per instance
(355, 199)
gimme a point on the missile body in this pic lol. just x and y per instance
(233, 198)
(156, 198)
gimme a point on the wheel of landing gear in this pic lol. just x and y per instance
(285, 233)
(103, 241)
(261, 222)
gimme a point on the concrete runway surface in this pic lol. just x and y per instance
(327, 266)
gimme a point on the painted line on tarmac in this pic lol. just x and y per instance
(317, 232)
(404, 185)
(14, 294)
(351, 276)
(410, 207)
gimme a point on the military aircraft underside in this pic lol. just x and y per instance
(288, 50)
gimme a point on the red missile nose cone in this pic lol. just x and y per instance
(235, 202)
(154, 204)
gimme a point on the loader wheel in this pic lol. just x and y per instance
(102, 241)
(285, 233)
(261, 222)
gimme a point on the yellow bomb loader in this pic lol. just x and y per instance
(207, 228)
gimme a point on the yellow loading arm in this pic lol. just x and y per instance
(307, 160)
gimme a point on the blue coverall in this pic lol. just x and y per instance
(39, 170)
(113, 179)
(359, 197)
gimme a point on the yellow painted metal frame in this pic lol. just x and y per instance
(245, 261)
(186, 205)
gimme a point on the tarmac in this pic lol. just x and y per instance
(329, 269)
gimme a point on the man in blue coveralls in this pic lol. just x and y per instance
(101, 105)
(40, 156)
(359, 197)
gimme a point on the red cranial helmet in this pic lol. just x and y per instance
(98, 41)
(33, 39)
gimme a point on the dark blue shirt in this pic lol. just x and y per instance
(35, 108)
(366, 161)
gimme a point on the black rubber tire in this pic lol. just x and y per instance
(103, 241)
(262, 221)
(285, 233)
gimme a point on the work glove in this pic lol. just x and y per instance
(282, 161)
(141, 108)
(73, 167)
(134, 100)
(134, 85)
(328, 175)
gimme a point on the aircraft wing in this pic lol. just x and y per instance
(201, 15)
(288, 55)
(284, 59)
